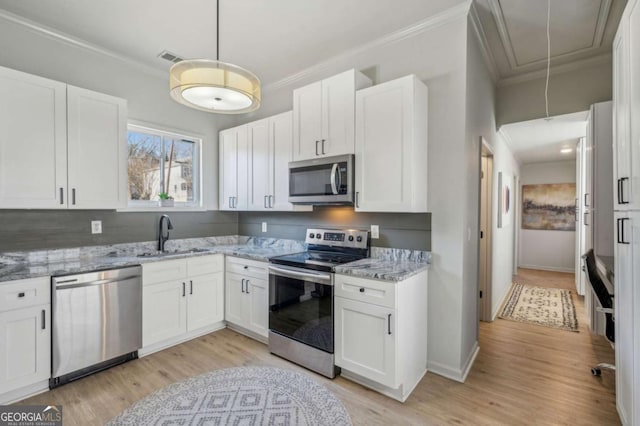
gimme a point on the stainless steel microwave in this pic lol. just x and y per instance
(327, 180)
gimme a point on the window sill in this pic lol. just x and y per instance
(162, 209)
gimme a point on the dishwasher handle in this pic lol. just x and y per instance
(97, 278)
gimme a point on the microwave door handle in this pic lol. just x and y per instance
(334, 169)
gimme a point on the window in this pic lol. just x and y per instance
(161, 161)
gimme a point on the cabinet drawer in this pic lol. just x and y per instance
(245, 267)
(205, 265)
(370, 291)
(166, 270)
(24, 293)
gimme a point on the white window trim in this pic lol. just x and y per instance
(162, 131)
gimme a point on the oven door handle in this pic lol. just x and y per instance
(319, 278)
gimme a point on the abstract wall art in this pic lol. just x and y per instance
(549, 206)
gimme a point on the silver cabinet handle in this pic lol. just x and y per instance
(184, 290)
(44, 319)
(317, 142)
(585, 199)
(61, 195)
(357, 202)
(73, 196)
(242, 285)
(323, 141)
(265, 202)
(586, 214)
(389, 324)
(190, 286)
(271, 198)
(247, 291)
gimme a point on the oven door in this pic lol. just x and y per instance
(301, 305)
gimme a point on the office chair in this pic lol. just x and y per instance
(606, 305)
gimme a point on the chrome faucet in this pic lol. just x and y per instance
(162, 238)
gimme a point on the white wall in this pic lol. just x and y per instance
(542, 249)
(146, 91)
(568, 92)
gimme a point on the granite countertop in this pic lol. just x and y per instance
(22, 265)
(385, 263)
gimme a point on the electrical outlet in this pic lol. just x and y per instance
(96, 227)
(264, 226)
(375, 231)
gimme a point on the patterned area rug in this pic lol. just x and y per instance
(551, 307)
(239, 396)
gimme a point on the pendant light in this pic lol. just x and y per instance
(214, 86)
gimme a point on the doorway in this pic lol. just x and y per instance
(486, 226)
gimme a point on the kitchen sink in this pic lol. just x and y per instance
(171, 252)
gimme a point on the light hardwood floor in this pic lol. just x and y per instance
(524, 375)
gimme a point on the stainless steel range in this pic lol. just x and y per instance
(301, 297)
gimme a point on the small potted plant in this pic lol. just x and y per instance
(165, 200)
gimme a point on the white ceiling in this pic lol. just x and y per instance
(541, 140)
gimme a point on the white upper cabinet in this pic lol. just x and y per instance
(97, 150)
(621, 143)
(60, 146)
(233, 168)
(33, 141)
(254, 165)
(324, 116)
(391, 147)
(633, 200)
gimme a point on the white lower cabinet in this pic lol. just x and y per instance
(181, 299)
(247, 296)
(25, 338)
(380, 332)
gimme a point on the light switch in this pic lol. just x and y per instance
(264, 226)
(375, 231)
(96, 227)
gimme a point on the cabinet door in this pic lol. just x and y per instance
(281, 134)
(258, 306)
(259, 158)
(97, 150)
(633, 232)
(383, 157)
(624, 309)
(33, 141)
(338, 114)
(25, 347)
(234, 307)
(164, 311)
(307, 116)
(228, 168)
(205, 301)
(634, 103)
(621, 143)
(365, 340)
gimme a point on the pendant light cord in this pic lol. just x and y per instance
(546, 88)
(218, 31)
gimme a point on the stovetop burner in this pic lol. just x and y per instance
(328, 248)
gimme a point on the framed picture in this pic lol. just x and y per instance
(549, 207)
(505, 199)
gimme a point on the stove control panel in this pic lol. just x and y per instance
(353, 238)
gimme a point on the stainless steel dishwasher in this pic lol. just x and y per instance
(97, 322)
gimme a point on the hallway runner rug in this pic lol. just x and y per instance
(550, 307)
(239, 396)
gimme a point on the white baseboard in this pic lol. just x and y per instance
(459, 375)
(156, 347)
(494, 314)
(24, 392)
(549, 268)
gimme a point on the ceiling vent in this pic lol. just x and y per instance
(168, 56)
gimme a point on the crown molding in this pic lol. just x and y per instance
(484, 43)
(598, 34)
(78, 42)
(439, 19)
(555, 70)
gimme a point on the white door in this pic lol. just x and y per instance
(235, 300)
(338, 114)
(33, 141)
(281, 134)
(25, 347)
(97, 150)
(259, 162)
(307, 117)
(258, 314)
(205, 300)
(164, 311)
(382, 168)
(365, 340)
(624, 309)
